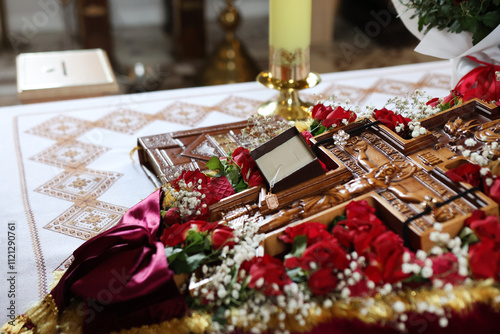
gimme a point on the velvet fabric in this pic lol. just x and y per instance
(122, 276)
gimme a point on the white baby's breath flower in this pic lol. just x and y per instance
(434, 236)
(427, 272)
(399, 307)
(443, 322)
(421, 255)
(470, 142)
(436, 250)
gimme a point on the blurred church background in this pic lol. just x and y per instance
(165, 44)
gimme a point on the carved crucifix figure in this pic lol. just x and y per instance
(378, 178)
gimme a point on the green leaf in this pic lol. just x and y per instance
(416, 279)
(176, 258)
(194, 261)
(480, 34)
(468, 236)
(491, 19)
(218, 315)
(214, 164)
(186, 264)
(240, 186)
(335, 221)
(233, 175)
(299, 245)
(195, 242)
(297, 275)
(172, 253)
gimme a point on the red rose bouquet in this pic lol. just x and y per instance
(477, 176)
(265, 273)
(484, 255)
(328, 117)
(188, 198)
(318, 254)
(240, 170)
(403, 126)
(192, 244)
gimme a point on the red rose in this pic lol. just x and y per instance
(390, 119)
(314, 232)
(326, 254)
(475, 215)
(191, 176)
(241, 156)
(172, 216)
(433, 102)
(362, 224)
(320, 111)
(361, 210)
(249, 172)
(468, 173)
(484, 260)
(323, 281)
(363, 232)
(384, 263)
(307, 136)
(341, 233)
(272, 272)
(201, 225)
(255, 179)
(493, 191)
(175, 234)
(197, 181)
(445, 268)
(337, 116)
(486, 227)
(360, 288)
(222, 236)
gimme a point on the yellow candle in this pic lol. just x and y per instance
(290, 24)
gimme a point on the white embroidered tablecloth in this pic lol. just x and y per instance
(66, 174)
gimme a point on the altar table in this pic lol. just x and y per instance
(67, 172)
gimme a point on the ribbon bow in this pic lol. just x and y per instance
(480, 82)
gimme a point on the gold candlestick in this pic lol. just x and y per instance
(230, 62)
(289, 62)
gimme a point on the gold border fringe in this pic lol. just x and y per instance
(40, 319)
(460, 300)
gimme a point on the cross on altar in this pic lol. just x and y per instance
(401, 177)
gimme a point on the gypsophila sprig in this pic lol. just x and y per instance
(261, 129)
(414, 107)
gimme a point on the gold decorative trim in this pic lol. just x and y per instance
(286, 65)
(30, 217)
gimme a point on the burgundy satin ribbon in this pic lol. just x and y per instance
(122, 276)
(480, 82)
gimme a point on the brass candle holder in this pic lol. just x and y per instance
(289, 60)
(288, 105)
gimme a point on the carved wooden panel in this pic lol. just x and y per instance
(402, 177)
(163, 156)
